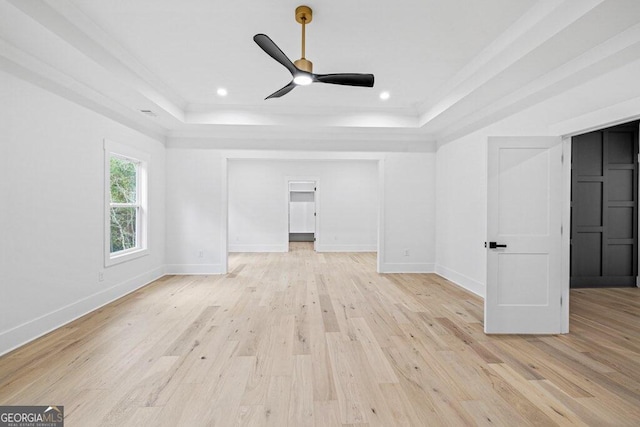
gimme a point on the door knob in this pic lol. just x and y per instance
(494, 245)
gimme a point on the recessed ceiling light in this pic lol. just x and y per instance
(222, 92)
(384, 95)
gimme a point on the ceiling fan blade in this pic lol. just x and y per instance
(280, 92)
(347, 79)
(274, 51)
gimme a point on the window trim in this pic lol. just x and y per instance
(114, 149)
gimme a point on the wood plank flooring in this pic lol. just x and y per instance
(305, 339)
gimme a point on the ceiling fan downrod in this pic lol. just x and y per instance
(304, 15)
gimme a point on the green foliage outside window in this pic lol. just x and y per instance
(124, 203)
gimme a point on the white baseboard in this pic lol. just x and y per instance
(346, 248)
(461, 280)
(259, 248)
(406, 267)
(35, 328)
(183, 269)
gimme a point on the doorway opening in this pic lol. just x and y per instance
(302, 211)
(255, 197)
(604, 208)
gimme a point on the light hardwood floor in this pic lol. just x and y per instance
(321, 339)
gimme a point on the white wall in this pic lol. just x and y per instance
(461, 180)
(196, 219)
(461, 215)
(51, 219)
(347, 204)
(409, 213)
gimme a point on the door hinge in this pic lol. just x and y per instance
(560, 300)
(638, 157)
(315, 214)
(561, 230)
(562, 158)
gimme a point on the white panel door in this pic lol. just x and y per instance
(524, 271)
(302, 217)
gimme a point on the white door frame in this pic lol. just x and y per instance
(568, 130)
(316, 203)
(566, 213)
(566, 230)
(566, 226)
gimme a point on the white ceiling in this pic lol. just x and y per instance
(195, 46)
(450, 66)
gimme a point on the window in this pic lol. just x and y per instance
(126, 204)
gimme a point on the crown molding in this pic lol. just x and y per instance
(614, 53)
(301, 138)
(409, 112)
(542, 22)
(28, 68)
(67, 22)
(314, 133)
(310, 117)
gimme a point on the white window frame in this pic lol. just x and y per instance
(114, 149)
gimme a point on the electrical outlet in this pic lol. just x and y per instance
(406, 252)
(100, 276)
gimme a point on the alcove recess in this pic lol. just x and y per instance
(302, 212)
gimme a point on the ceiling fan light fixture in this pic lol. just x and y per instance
(302, 79)
(302, 69)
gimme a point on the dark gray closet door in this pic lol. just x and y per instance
(604, 208)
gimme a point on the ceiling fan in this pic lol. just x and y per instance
(302, 69)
